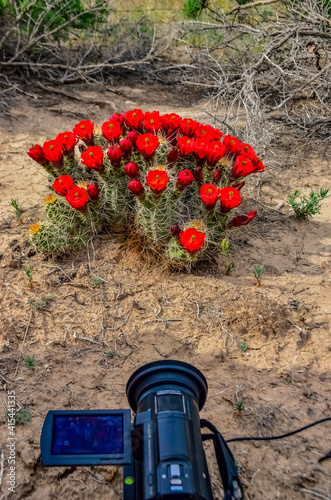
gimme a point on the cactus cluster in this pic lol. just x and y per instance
(174, 182)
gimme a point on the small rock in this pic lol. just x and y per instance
(27, 455)
(280, 205)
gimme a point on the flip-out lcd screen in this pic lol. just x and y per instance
(89, 437)
(91, 434)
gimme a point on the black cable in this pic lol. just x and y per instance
(271, 438)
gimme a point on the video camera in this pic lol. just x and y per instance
(162, 452)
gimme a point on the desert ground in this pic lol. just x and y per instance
(89, 338)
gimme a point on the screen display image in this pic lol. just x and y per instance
(91, 434)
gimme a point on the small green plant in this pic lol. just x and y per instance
(110, 354)
(30, 362)
(258, 271)
(28, 274)
(225, 247)
(243, 346)
(95, 280)
(21, 416)
(18, 209)
(229, 268)
(307, 207)
(193, 8)
(37, 304)
(240, 406)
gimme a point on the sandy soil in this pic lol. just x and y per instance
(89, 339)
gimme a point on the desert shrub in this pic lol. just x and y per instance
(267, 65)
(193, 8)
(63, 41)
(307, 207)
(171, 181)
(51, 15)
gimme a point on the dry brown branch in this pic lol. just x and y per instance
(34, 46)
(270, 69)
(251, 5)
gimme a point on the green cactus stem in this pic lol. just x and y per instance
(117, 200)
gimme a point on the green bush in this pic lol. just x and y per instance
(51, 15)
(193, 8)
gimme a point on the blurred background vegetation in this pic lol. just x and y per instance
(263, 60)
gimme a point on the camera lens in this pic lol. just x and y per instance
(167, 374)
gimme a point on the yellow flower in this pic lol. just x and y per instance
(50, 199)
(225, 162)
(97, 130)
(82, 184)
(160, 167)
(35, 228)
(197, 224)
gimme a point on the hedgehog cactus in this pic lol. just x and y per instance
(173, 180)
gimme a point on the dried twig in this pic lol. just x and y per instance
(22, 348)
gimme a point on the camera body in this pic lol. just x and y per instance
(168, 457)
(162, 451)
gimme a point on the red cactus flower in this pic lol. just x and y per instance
(84, 130)
(175, 231)
(242, 167)
(133, 136)
(112, 130)
(217, 175)
(188, 126)
(62, 184)
(93, 158)
(239, 186)
(132, 170)
(147, 144)
(117, 117)
(77, 197)
(207, 132)
(257, 164)
(53, 152)
(126, 147)
(209, 194)
(202, 131)
(232, 144)
(216, 133)
(230, 198)
(242, 220)
(68, 141)
(171, 122)
(152, 122)
(247, 150)
(36, 153)
(184, 179)
(134, 119)
(114, 154)
(192, 239)
(215, 151)
(93, 191)
(157, 180)
(186, 146)
(200, 148)
(173, 156)
(136, 187)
